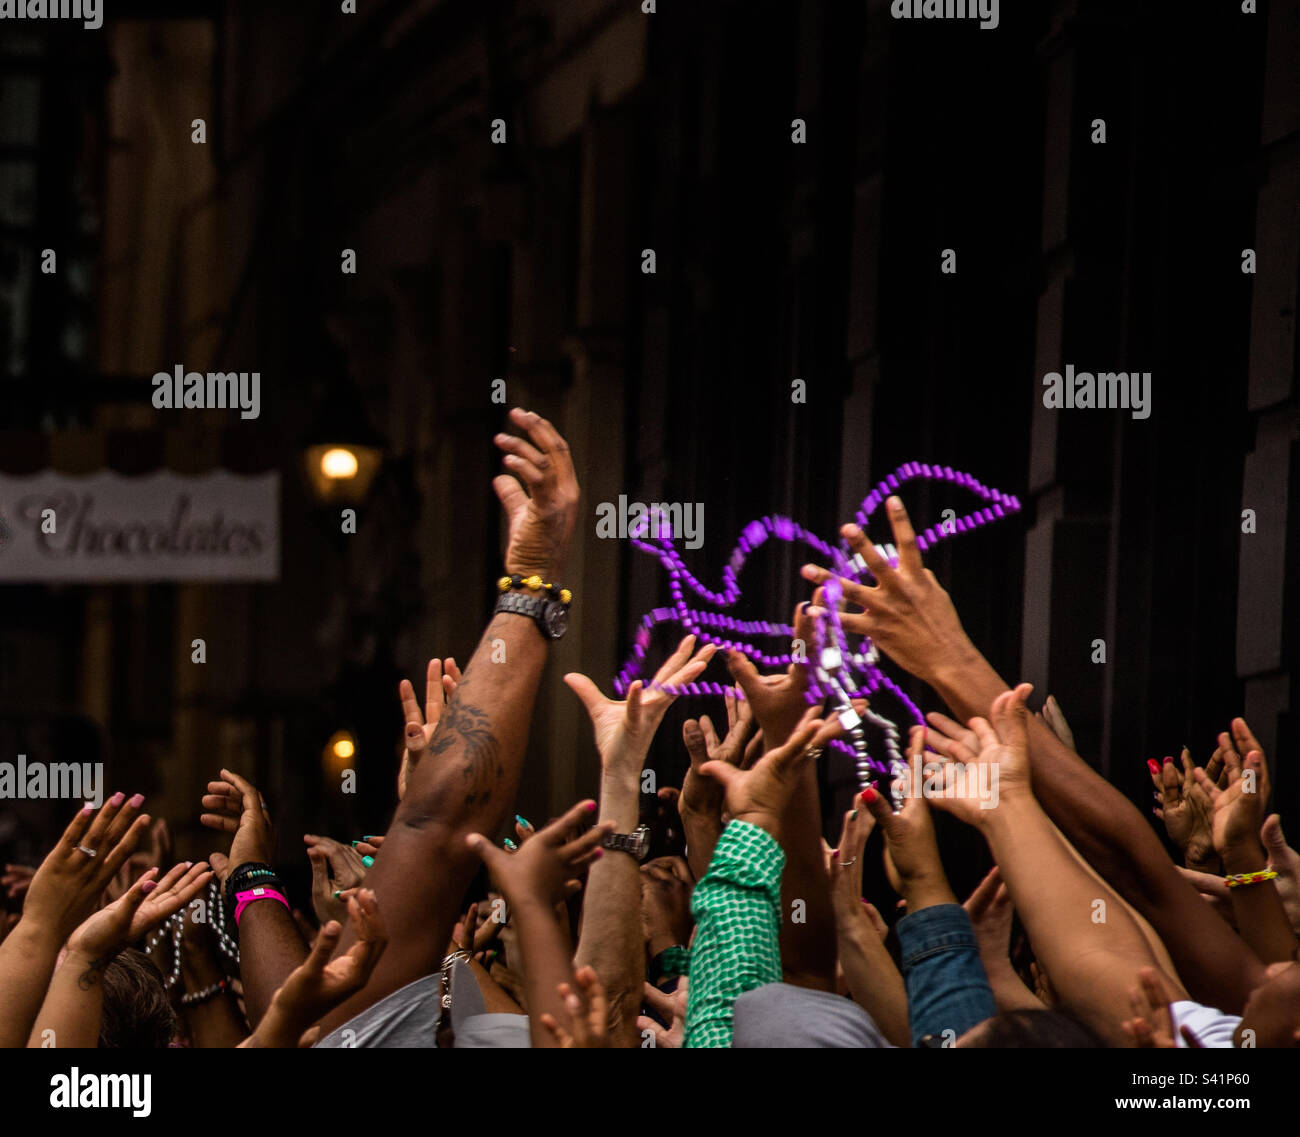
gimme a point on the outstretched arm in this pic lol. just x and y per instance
(1080, 931)
(611, 942)
(63, 893)
(911, 618)
(465, 780)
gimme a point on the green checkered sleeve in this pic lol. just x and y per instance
(737, 946)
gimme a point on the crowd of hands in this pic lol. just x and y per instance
(562, 929)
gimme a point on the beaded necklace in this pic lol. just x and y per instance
(837, 671)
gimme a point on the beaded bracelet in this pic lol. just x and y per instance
(244, 872)
(1236, 880)
(536, 583)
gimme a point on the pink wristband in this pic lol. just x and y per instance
(244, 899)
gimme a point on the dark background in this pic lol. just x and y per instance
(775, 261)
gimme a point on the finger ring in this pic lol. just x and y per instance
(846, 864)
(88, 852)
(814, 753)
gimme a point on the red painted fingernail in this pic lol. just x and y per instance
(599, 853)
(834, 853)
(1152, 766)
(1168, 760)
(869, 795)
(591, 806)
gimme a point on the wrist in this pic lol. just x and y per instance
(1244, 859)
(760, 819)
(926, 891)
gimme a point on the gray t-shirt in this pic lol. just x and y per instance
(406, 1019)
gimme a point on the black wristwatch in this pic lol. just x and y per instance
(551, 615)
(637, 842)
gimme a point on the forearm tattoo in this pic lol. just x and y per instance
(469, 725)
(88, 978)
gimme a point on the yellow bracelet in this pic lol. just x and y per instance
(537, 584)
(1241, 878)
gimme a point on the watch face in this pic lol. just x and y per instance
(557, 620)
(641, 843)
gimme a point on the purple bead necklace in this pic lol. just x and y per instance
(836, 672)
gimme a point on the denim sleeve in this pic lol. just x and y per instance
(946, 985)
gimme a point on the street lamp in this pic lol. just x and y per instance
(343, 453)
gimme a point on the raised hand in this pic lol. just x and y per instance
(233, 805)
(540, 871)
(1185, 808)
(624, 730)
(1152, 1025)
(588, 1014)
(155, 849)
(67, 887)
(1285, 861)
(777, 700)
(1054, 717)
(907, 613)
(1238, 810)
(985, 763)
(911, 852)
(703, 795)
(759, 795)
(845, 863)
(440, 682)
(541, 520)
(320, 984)
(670, 1006)
(138, 911)
(336, 869)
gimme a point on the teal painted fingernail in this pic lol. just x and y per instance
(853, 816)
(337, 893)
(368, 839)
(355, 844)
(523, 821)
(509, 844)
(367, 861)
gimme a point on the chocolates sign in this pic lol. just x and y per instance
(108, 527)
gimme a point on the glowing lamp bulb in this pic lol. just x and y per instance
(338, 464)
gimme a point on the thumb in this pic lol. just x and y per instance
(1272, 836)
(879, 807)
(586, 690)
(323, 948)
(744, 672)
(320, 877)
(220, 864)
(510, 494)
(721, 772)
(490, 855)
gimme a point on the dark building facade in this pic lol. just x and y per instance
(804, 175)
